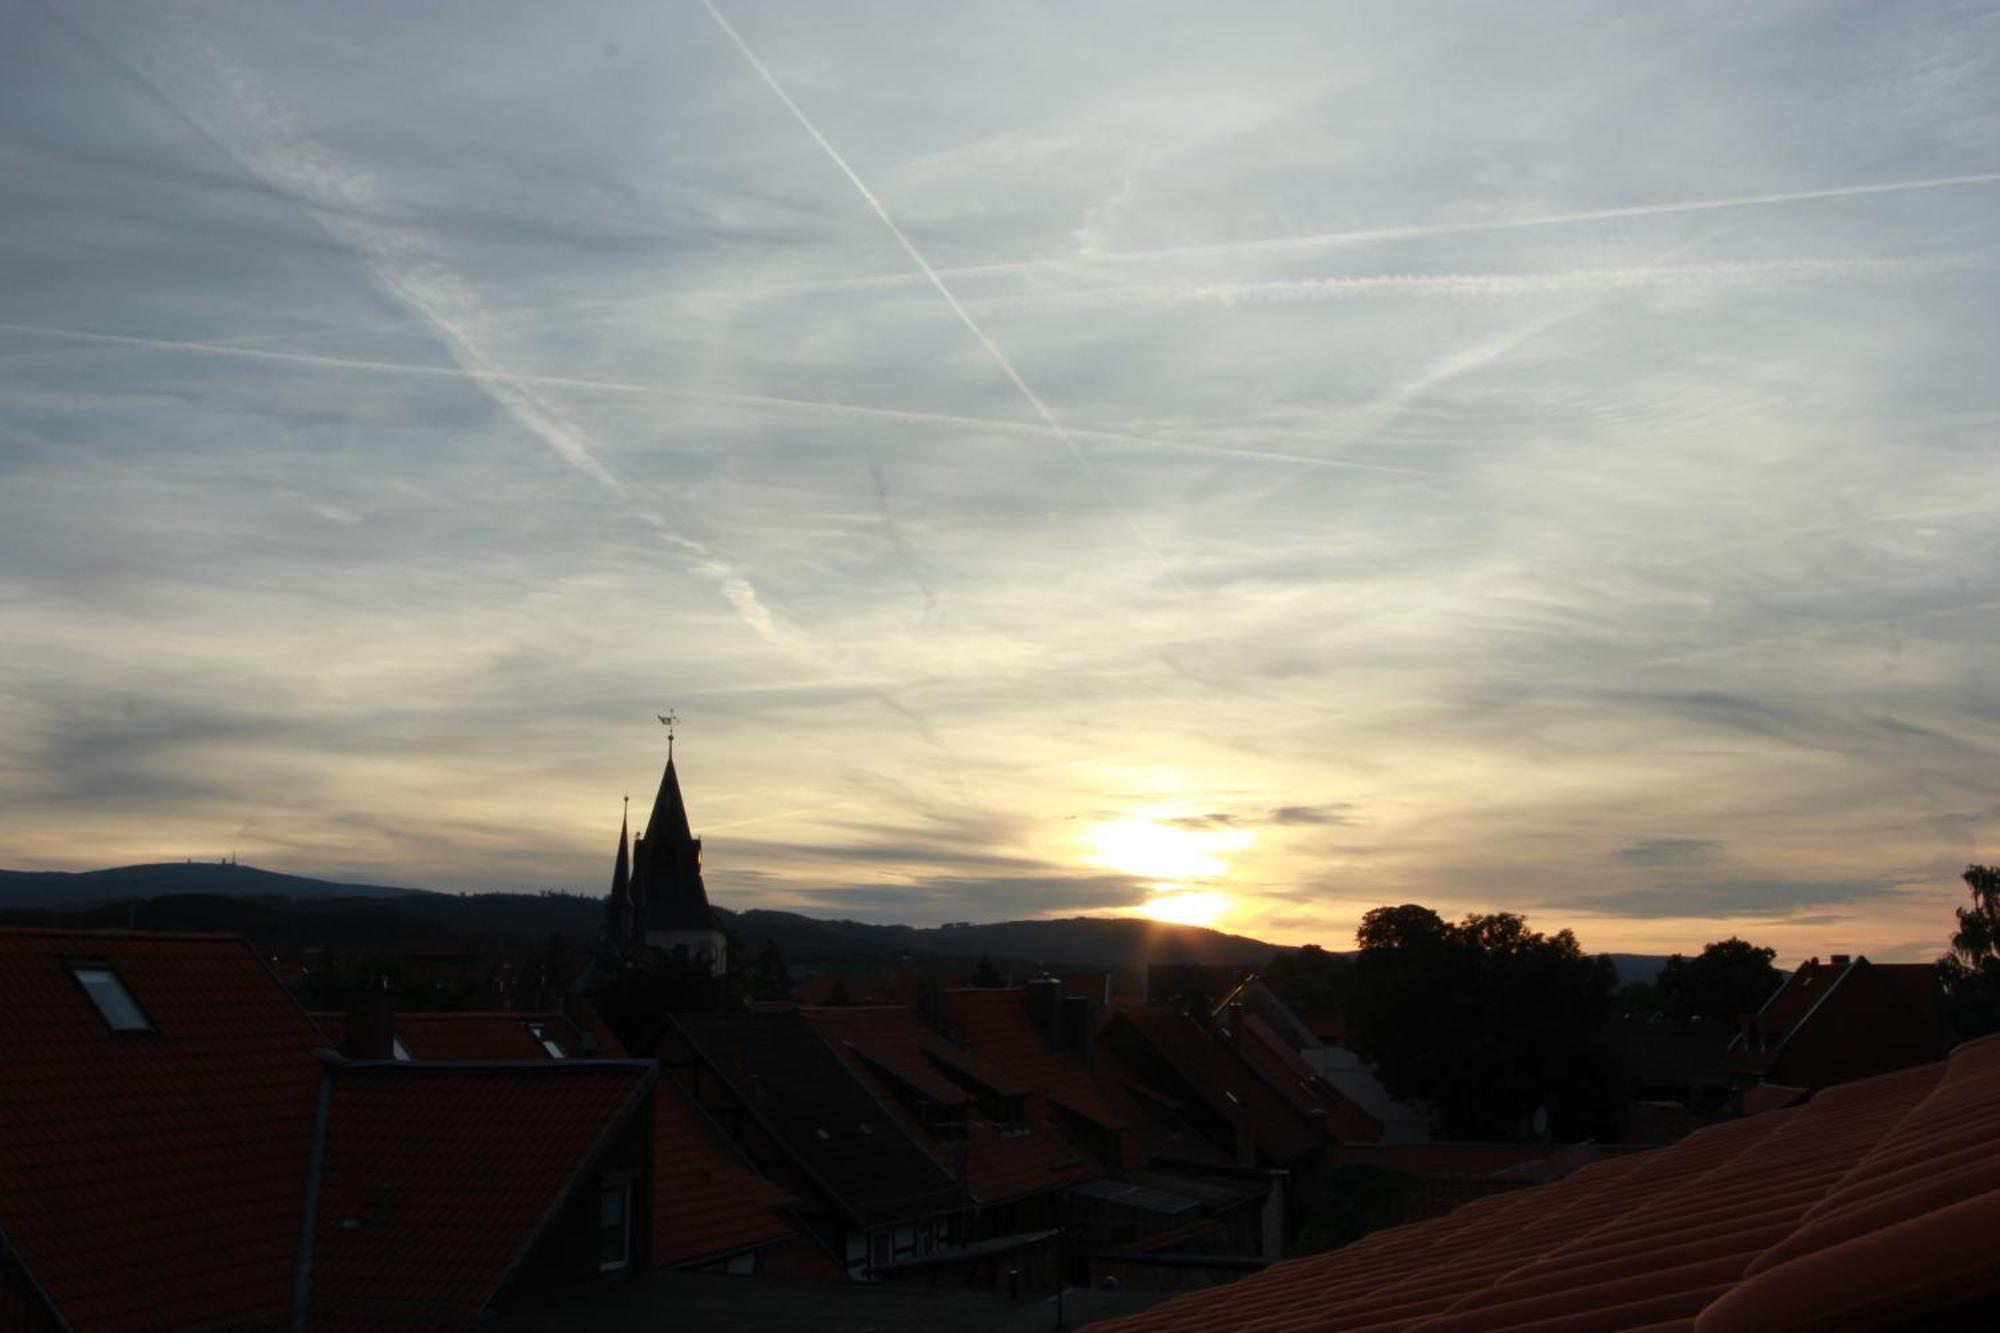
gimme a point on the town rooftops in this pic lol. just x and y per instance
(786, 1076)
(943, 1093)
(1873, 1205)
(549, 1035)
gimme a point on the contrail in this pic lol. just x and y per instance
(1034, 400)
(1420, 230)
(810, 406)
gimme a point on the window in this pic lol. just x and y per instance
(115, 1005)
(614, 1227)
(397, 1049)
(536, 1031)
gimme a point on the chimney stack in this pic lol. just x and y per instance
(1841, 960)
(1045, 1008)
(1079, 1022)
(371, 1022)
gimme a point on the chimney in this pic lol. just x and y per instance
(1841, 960)
(1080, 1025)
(1246, 1140)
(581, 1015)
(371, 1022)
(1045, 1008)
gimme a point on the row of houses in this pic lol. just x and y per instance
(186, 1146)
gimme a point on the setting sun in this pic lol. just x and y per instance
(1187, 909)
(1158, 849)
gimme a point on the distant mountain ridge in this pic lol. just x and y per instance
(60, 889)
(286, 912)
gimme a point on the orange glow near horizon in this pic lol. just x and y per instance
(1180, 856)
(1195, 908)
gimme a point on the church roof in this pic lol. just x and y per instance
(668, 875)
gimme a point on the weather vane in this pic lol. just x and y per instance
(669, 719)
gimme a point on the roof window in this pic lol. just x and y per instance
(541, 1035)
(115, 1005)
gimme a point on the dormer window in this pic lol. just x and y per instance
(115, 1005)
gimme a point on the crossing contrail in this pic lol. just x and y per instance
(719, 397)
(1000, 358)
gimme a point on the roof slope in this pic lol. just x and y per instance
(806, 1096)
(1215, 1075)
(435, 1180)
(901, 1059)
(706, 1202)
(470, 1035)
(153, 1180)
(1872, 1204)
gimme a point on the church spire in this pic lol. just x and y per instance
(624, 914)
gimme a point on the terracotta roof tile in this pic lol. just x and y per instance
(706, 1202)
(435, 1180)
(153, 1180)
(888, 1046)
(1870, 1205)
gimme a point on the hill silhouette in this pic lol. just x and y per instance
(286, 913)
(65, 889)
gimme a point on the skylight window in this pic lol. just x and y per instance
(115, 1005)
(556, 1052)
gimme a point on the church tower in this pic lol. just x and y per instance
(669, 905)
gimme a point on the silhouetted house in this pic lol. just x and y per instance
(793, 1108)
(1874, 1205)
(1841, 1020)
(181, 1148)
(661, 901)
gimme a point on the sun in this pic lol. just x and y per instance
(1178, 857)
(1187, 909)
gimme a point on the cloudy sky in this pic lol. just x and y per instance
(1241, 463)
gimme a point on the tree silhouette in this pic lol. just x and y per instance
(770, 979)
(986, 975)
(1970, 973)
(1727, 978)
(1485, 1021)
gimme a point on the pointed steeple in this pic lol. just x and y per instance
(669, 820)
(621, 871)
(666, 873)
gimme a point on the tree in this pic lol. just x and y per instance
(986, 975)
(1309, 977)
(1485, 1021)
(1970, 973)
(770, 979)
(1727, 978)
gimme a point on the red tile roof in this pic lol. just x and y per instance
(1286, 1071)
(706, 1203)
(1213, 1074)
(153, 1180)
(436, 1180)
(885, 1046)
(997, 1028)
(1871, 1205)
(486, 1036)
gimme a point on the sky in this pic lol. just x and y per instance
(1240, 464)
